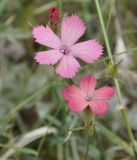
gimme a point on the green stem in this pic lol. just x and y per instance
(126, 120)
(69, 81)
(87, 148)
(44, 137)
(122, 109)
(60, 6)
(104, 31)
(130, 134)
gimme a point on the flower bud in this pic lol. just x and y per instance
(54, 16)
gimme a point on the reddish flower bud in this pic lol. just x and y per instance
(54, 16)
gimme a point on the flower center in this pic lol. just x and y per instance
(88, 98)
(64, 50)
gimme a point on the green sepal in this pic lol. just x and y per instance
(112, 70)
(89, 119)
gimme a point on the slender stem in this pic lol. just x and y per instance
(87, 148)
(125, 118)
(69, 81)
(130, 134)
(104, 31)
(128, 50)
(107, 58)
(122, 108)
(60, 6)
(44, 137)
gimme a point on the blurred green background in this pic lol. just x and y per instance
(30, 94)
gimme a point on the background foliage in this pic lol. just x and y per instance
(31, 103)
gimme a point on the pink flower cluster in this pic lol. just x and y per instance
(64, 51)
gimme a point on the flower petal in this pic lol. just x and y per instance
(98, 107)
(45, 36)
(72, 29)
(104, 93)
(88, 84)
(68, 67)
(75, 98)
(88, 51)
(48, 57)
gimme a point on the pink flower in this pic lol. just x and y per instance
(63, 50)
(86, 96)
(54, 16)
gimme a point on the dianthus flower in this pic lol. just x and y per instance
(86, 96)
(63, 50)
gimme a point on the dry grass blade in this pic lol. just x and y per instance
(28, 138)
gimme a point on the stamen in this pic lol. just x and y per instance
(88, 98)
(64, 50)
